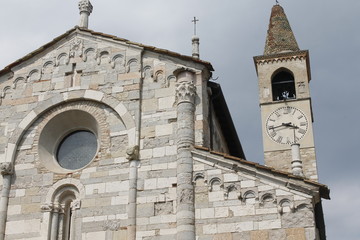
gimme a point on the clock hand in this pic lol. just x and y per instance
(289, 125)
(282, 125)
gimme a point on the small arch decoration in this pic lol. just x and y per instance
(62, 59)
(34, 75)
(249, 197)
(215, 184)
(90, 52)
(46, 67)
(131, 65)
(267, 198)
(118, 59)
(103, 57)
(198, 176)
(148, 73)
(285, 205)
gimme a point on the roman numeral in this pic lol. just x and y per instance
(271, 127)
(300, 117)
(273, 134)
(279, 139)
(272, 120)
(303, 124)
(277, 114)
(301, 131)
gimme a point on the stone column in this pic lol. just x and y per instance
(55, 222)
(85, 8)
(6, 170)
(133, 157)
(296, 164)
(185, 95)
(74, 208)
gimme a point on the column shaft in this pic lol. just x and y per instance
(185, 141)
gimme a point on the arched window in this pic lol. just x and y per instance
(65, 204)
(283, 85)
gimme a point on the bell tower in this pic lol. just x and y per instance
(283, 78)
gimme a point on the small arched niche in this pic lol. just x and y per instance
(283, 85)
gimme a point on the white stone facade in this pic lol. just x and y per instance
(148, 109)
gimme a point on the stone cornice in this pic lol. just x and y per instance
(285, 56)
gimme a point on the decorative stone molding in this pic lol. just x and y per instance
(185, 92)
(6, 169)
(85, 6)
(132, 153)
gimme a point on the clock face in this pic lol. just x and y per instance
(286, 125)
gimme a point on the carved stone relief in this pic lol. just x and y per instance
(76, 48)
(6, 169)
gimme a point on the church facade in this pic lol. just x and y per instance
(104, 138)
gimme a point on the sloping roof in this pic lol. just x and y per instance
(93, 33)
(280, 37)
(323, 189)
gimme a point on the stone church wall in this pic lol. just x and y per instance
(232, 206)
(103, 80)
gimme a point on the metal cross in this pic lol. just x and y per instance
(194, 21)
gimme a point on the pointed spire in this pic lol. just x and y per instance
(85, 8)
(280, 37)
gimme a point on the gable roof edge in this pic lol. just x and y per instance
(9, 67)
(255, 169)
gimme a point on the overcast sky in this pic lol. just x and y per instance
(232, 32)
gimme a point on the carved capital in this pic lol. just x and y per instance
(132, 153)
(85, 6)
(185, 92)
(47, 207)
(6, 169)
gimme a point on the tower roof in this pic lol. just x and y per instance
(280, 37)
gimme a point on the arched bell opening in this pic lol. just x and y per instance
(283, 85)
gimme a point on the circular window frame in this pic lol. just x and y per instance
(57, 128)
(62, 140)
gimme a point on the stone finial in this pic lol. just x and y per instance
(86, 9)
(6, 169)
(195, 47)
(280, 37)
(185, 92)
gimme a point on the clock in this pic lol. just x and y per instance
(286, 125)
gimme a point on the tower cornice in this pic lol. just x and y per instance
(284, 57)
